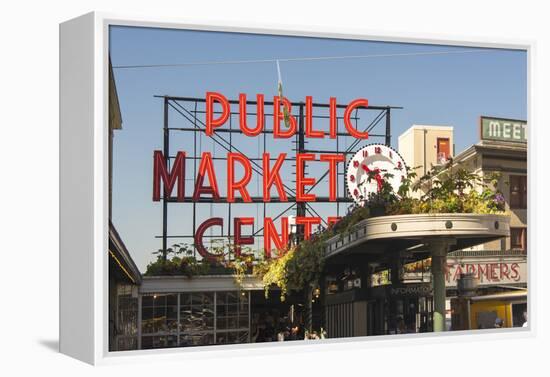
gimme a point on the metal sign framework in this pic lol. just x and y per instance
(192, 112)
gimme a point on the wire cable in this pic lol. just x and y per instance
(298, 59)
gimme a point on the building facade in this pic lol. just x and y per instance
(498, 266)
(423, 146)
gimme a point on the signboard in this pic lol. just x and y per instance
(488, 272)
(410, 290)
(170, 174)
(500, 129)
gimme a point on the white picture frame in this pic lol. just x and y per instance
(84, 45)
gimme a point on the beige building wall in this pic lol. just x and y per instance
(518, 216)
(418, 146)
(483, 164)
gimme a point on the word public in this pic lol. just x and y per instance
(213, 122)
(173, 179)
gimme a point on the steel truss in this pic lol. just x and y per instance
(192, 111)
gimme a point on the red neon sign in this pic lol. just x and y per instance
(206, 182)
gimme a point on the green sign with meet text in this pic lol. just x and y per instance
(500, 129)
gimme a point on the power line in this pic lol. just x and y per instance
(297, 59)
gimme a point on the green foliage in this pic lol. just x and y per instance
(296, 269)
(456, 190)
(447, 189)
(180, 261)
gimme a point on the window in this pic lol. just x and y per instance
(518, 191)
(204, 318)
(159, 317)
(126, 317)
(518, 238)
(443, 150)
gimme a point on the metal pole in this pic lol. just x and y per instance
(388, 127)
(424, 131)
(166, 150)
(195, 176)
(309, 308)
(438, 250)
(301, 206)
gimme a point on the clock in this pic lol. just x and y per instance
(378, 159)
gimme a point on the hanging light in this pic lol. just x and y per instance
(317, 292)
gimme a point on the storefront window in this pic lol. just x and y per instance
(159, 314)
(232, 317)
(197, 315)
(194, 318)
(126, 321)
(518, 191)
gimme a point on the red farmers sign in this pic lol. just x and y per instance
(206, 185)
(488, 271)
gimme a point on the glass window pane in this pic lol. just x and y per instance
(209, 323)
(172, 300)
(171, 341)
(232, 297)
(159, 300)
(221, 310)
(209, 298)
(147, 301)
(146, 314)
(221, 323)
(243, 322)
(146, 342)
(196, 298)
(232, 309)
(243, 337)
(232, 322)
(172, 326)
(172, 312)
(208, 310)
(160, 312)
(185, 299)
(221, 338)
(221, 298)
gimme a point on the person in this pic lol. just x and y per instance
(400, 325)
(525, 317)
(499, 323)
(295, 333)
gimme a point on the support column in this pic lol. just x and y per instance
(308, 320)
(396, 267)
(438, 251)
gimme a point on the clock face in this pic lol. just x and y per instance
(378, 159)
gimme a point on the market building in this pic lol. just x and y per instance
(499, 266)
(366, 288)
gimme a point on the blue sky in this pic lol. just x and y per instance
(446, 89)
